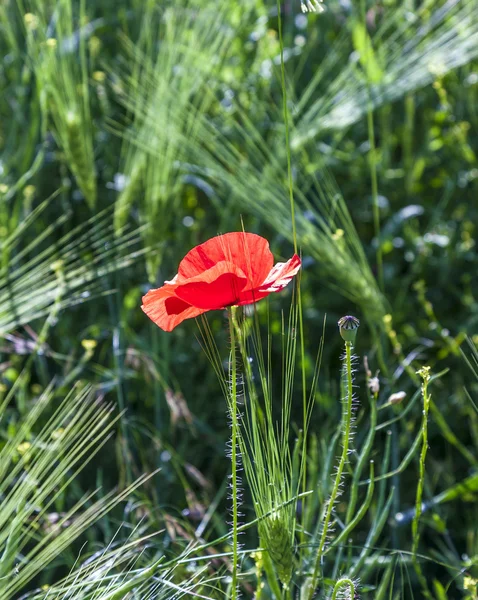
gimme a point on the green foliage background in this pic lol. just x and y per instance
(130, 132)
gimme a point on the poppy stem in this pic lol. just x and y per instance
(346, 427)
(234, 423)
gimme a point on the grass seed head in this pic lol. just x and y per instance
(79, 157)
(276, 535)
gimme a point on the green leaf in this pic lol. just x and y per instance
(439, 590)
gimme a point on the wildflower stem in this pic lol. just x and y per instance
(346, 431)
(233, 410)
(425, 374)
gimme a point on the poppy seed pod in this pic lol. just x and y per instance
(348, 326)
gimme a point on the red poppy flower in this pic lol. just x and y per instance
(230, 269)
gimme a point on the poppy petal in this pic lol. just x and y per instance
(251, 297)
(248, 251)
(165, 309)
(215, 288)
(280, 275)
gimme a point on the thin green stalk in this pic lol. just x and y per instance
(408, 142)
(294, 238)
(346, 434)
(373, 535)
(376, 208)
(424, 373)
(352, 518)
(270, 574)
(286, 124)
(118, 358)
(373, 160)
(233, 409)
(404, 464)
(157, 350)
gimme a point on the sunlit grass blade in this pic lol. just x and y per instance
(32, 478)
(163, 91)
(41, 269)
(124, 570)
(413, 49)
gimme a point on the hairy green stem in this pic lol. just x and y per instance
(346, 434)
(363, 457)
(233, 409)
(352, 518)
(341, 583)
(358, 516)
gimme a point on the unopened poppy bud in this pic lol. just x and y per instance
(348, 326)
(374, 384)
(397, 398)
